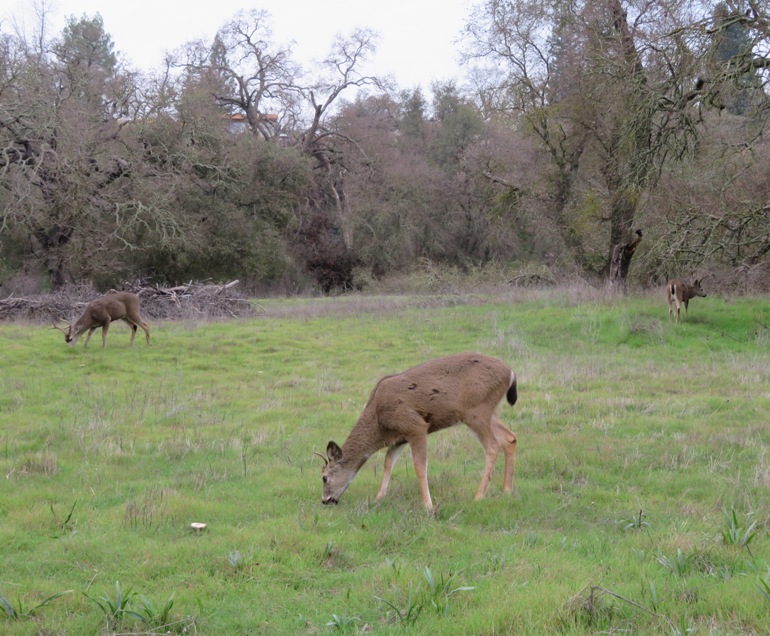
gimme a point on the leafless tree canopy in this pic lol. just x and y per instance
(579, 128)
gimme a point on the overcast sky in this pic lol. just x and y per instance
(417, 37)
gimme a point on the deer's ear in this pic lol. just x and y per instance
(333, 452)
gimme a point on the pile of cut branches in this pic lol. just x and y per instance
(39, 307)
(192, 300)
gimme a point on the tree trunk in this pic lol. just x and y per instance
(52, 243)
(620, 261)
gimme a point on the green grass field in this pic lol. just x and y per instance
(642, 500)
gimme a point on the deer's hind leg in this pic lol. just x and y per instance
(135, 326)
(494, 436)
(146, 329)
(507, 439)
(132, 326)
(482, 425)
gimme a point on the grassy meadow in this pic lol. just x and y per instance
(642, 499)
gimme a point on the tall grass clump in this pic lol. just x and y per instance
(16, 610)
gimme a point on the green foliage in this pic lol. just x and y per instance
(124, 606)
(412, 122)
(654, 599)
(677, 564)
(157, 617)
(18, 611)
(115, 609)
(636, 522)
(85, 44)
(64, 525)
(343, 623)
(441, 590)
(237, 560)
(408, 609)
(764, 589)
(738, 531)
(437, 595)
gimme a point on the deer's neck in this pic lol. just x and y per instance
(364, 440)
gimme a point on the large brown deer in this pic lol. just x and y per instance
(101, 312)
(406, 407)
(678, 292)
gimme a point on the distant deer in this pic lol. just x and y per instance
(407, 407)
(678, 292)
(101, 312)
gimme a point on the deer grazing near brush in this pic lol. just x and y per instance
(101, 312)
(678, 292)
(406, 407)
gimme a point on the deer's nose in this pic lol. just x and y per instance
(328, 500)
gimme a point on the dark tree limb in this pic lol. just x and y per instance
(621, 260)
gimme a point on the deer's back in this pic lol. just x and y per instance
(121, 304)
(127, 299)
(442, 391)
(105, 311)
(113, 306)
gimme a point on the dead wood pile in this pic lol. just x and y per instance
(192, 300)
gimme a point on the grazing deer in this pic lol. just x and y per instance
(407, 407)
(678, 292)
(101, 312)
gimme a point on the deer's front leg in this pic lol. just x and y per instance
(391, 457)
(88, 335)
(419, 445)
(105, 329)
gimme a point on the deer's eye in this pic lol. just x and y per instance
(326, 479)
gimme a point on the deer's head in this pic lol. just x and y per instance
(336, 474)
(70, 337)
(696, 289)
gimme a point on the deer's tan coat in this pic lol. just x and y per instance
(406, 407)
(103, 311)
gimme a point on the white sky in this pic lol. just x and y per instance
(417, 37)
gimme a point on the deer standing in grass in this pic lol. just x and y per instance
(678, 292)
(101, 312)
(406, 407)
